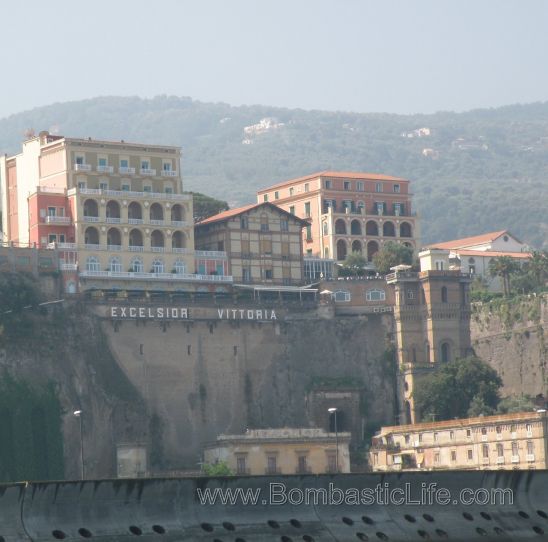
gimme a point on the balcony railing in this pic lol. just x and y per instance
(68, 266)
(114, 247)
(57, 219)
(169, 173)
(105, 169)
(126, 170)
(130, 194)
(82, 167)
(182, 250)
(62, 246)
(136, 248)
(156, 222)
(113, 220)
(209, 253)
(158, 249)
(179, 223)
(93, 246)
(135, 220)
(91, 219)
(145, 171)
(155, 276)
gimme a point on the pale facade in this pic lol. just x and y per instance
(263, 243)
(348, 212)
(115, 211)
(506, 441)
(282, 451)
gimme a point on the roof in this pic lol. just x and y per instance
(470, 241)
(461, 422)
(337, 174)
(492, 253)
(231, 213)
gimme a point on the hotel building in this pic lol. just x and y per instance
(506, 441)
(263, 243)
(114, 210)
(347, 212)
(282, 451)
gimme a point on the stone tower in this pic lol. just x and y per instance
(432, 314)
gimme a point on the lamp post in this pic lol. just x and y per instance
(78, 414)
(333, 411)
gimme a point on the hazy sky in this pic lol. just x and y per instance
(357, 55)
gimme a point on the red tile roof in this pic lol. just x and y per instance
(225, 215)
(469, 241)
(492, 253)
(338, 175)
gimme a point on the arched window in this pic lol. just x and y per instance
(471, 260)
(135, 213)
(326, 252)
(178, 240)
(342, 296)
(156, 214)
(180, 267)
(91, 236)
(157, 266)
(355, 227)
(405, 230)
(114, 239)
(340, 227)
(375, 295)
(388, 229)
(114, 265)
(92, 264)
(177, 213)
(341, 250)
(91, 209)
(361, 207)
(135, 240)
(444, 294)
(445, 351)
(357, 246)
(137, 265)
(371, 228)
(372, 249)
(157, 241)
(113, 212)
(264, 222)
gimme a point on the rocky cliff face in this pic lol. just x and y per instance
(512, 339)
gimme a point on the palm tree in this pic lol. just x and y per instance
(503, 266)
(538, 267)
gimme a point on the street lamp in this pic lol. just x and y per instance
(78, 414)
(333, 411)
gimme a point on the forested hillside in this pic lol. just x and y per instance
(472, 172)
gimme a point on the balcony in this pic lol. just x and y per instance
(62, 246)
(105, 169)
(530, 457)
(169, 173)
(206, 253)
(93, 246)
(113, 220)
(159, 249)
(68, 266)
(515, 459)
(135, 220)
(58, 220)
(146, 171)
(129, 275)
(82, 167)
(182, 251)
(130, 194)
(136, 248)
(114, 247)
(157, 222)
(179, 223)
(126, 170)
(91, 219)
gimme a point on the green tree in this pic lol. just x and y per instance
(516, 403)
(206, 206)
(392, 254)
(537, 266)
(217, 469)
(467, 384)
(354, 263)
(503, 267)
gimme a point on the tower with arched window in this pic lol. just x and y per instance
(432, 317)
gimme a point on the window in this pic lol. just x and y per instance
(439, 265)
(147, 188)
(80, 160)
(360, 185)
(102, 162)
(157, 266)
(124, 163)
(500, 450)
(484, 431)
(325, 228)
(137, 265)
(103, 185)
(529, 429)
(179, 267)
(327, 184)
(444, 294)
(168, 190)
(246, 274)
(407, 438)
(276, 195)
(530, 447)
(284, 224)
(166, 166)
(437, 458)
(285, 250)
(347, 185)
(472, 269)
(410, 294)
(378, 187)
(52, 211)
(265, 197)
(291, 191)
(309, 232)
(451, 435)
(264, 222)
(470, 455)
(342, 296)
(307, 209)
(468, 433)
(514, 448)
(375, 295)
(92, 264)
(331, 462)
(485, 451)
(379, 206)
(292, 209)
(397, 188)
(302, 466)
(266, 246)
(453, 456)
(125, 187)
(398, 209)
(268, 274)
(420, 437)
(306, 187)
(241, 464)
(271, 464)
(114, 265)
(244, 224)
(145, 164)
(81, 185)
(435, 437)
(52, 238)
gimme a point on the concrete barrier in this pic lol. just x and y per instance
(170, 509)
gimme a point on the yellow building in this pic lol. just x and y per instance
(263, 243)
(282, 451)
(506, 441)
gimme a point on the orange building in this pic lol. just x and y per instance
(348, 212)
